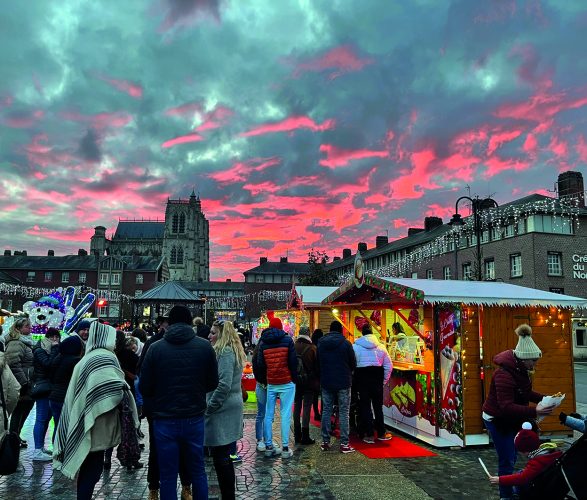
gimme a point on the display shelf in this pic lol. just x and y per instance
(403, 366)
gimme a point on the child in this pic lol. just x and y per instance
(575, 421)
(540, 456)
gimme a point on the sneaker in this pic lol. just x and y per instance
(47, 451)
(325, 446)
(385, 437)
(369, 440)
(23, 443)
(286, 453)
(40, 456)
(261, 446)
(272, 451)
(236, 459)
(346, 448)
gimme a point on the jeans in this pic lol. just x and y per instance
(89, 474)
(286, 393)
(176, 436)
(261, 394)
(344, 402)
(20, 414)
(153, 479)
(371, 403)
(41, 422)
(303, 399)
(138, 395)
(224, 471)
(506, 454)
(56, 407)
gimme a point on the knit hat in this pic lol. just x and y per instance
(84, 324)
(526, 348)
(180, 314)
(275, 323)
(52, 332)
(526, 440)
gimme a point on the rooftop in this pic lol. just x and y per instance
(139, 229)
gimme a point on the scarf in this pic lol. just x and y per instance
(96, 387)
(46, 344)
(27, 339)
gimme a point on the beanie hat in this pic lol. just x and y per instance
(180, 314)
(84, 324)
(52, 332)
(275, 323)
(526, 348)
(526, 440)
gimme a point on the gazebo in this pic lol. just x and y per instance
(163, 297)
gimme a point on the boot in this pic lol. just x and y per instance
(153, 494)
(306, 439)
(297, 433)
(186, 492)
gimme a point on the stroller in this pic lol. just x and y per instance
(565, 478)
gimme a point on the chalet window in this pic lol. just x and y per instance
(103, 278)
(116, 278)
(139, 279)
(581, 337)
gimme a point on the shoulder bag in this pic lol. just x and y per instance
(9, 442)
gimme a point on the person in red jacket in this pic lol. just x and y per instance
(508, 403)
(540, 457)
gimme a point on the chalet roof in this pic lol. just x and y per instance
(139, 229)
(169, 291)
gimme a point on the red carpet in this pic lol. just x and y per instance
(395, 448)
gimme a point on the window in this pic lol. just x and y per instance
(260, 278)
(116, 278)
(414, 276)
(180, 255)
(114, 310)
(550, 224)
(515, 265)
(65, 277)
(496, 233)
(467, 271)
(489, 269)
(30, 277)
(485, 236)
(175, 223)
(48, 276)
(139, 279)
(138, 293)
(429, 274)
(446, 273)
(182, 223)
(173, 257)
(509, 230)
(555, 264)
(82, 277)
(521, 226)
(103, 278)
(103, 311)
(580, 337)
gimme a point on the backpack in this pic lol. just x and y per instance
(303, 374)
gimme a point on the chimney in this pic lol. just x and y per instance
(414, 230)
(381, 241)
(17, 252)
(346, 253)
(23, 253)
(283, 260)
(82, 252)
(362, 247)
(335, 259)
(228, 280)
(431, 223)
(51, 253)
(571, 184)
(7, 253)
(262, 260)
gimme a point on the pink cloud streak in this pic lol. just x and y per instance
(182, 139)
(338, 157)
(289, 125)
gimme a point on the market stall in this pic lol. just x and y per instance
(442, 337)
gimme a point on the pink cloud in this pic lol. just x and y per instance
(581, 149)
(99, 121)
(530, 145)
(190, 108)
(133, 89)
(182, 139)
(76, 235)
(216, 118)
(240, 171)
(338, 157)
(27, 119)
(558, 147)
(412, 184)
(289, 125)
(498, 139)
(342, 59)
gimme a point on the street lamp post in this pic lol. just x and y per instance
(477, 205)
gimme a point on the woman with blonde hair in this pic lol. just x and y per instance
(19, 357)
(224, 413)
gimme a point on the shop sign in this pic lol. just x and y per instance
(359, 273)
(579, 264)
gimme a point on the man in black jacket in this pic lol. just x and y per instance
(336, 361)
(176, 374)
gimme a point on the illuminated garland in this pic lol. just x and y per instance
(32, 292)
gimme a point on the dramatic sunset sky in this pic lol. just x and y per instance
(300, 123)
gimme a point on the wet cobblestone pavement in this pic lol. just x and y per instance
(309, 474)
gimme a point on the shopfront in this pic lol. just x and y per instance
(442, 337)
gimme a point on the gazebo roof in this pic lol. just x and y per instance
(169, 291)
(489, 293)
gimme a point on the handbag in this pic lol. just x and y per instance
(41, 389)
(9, 443)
